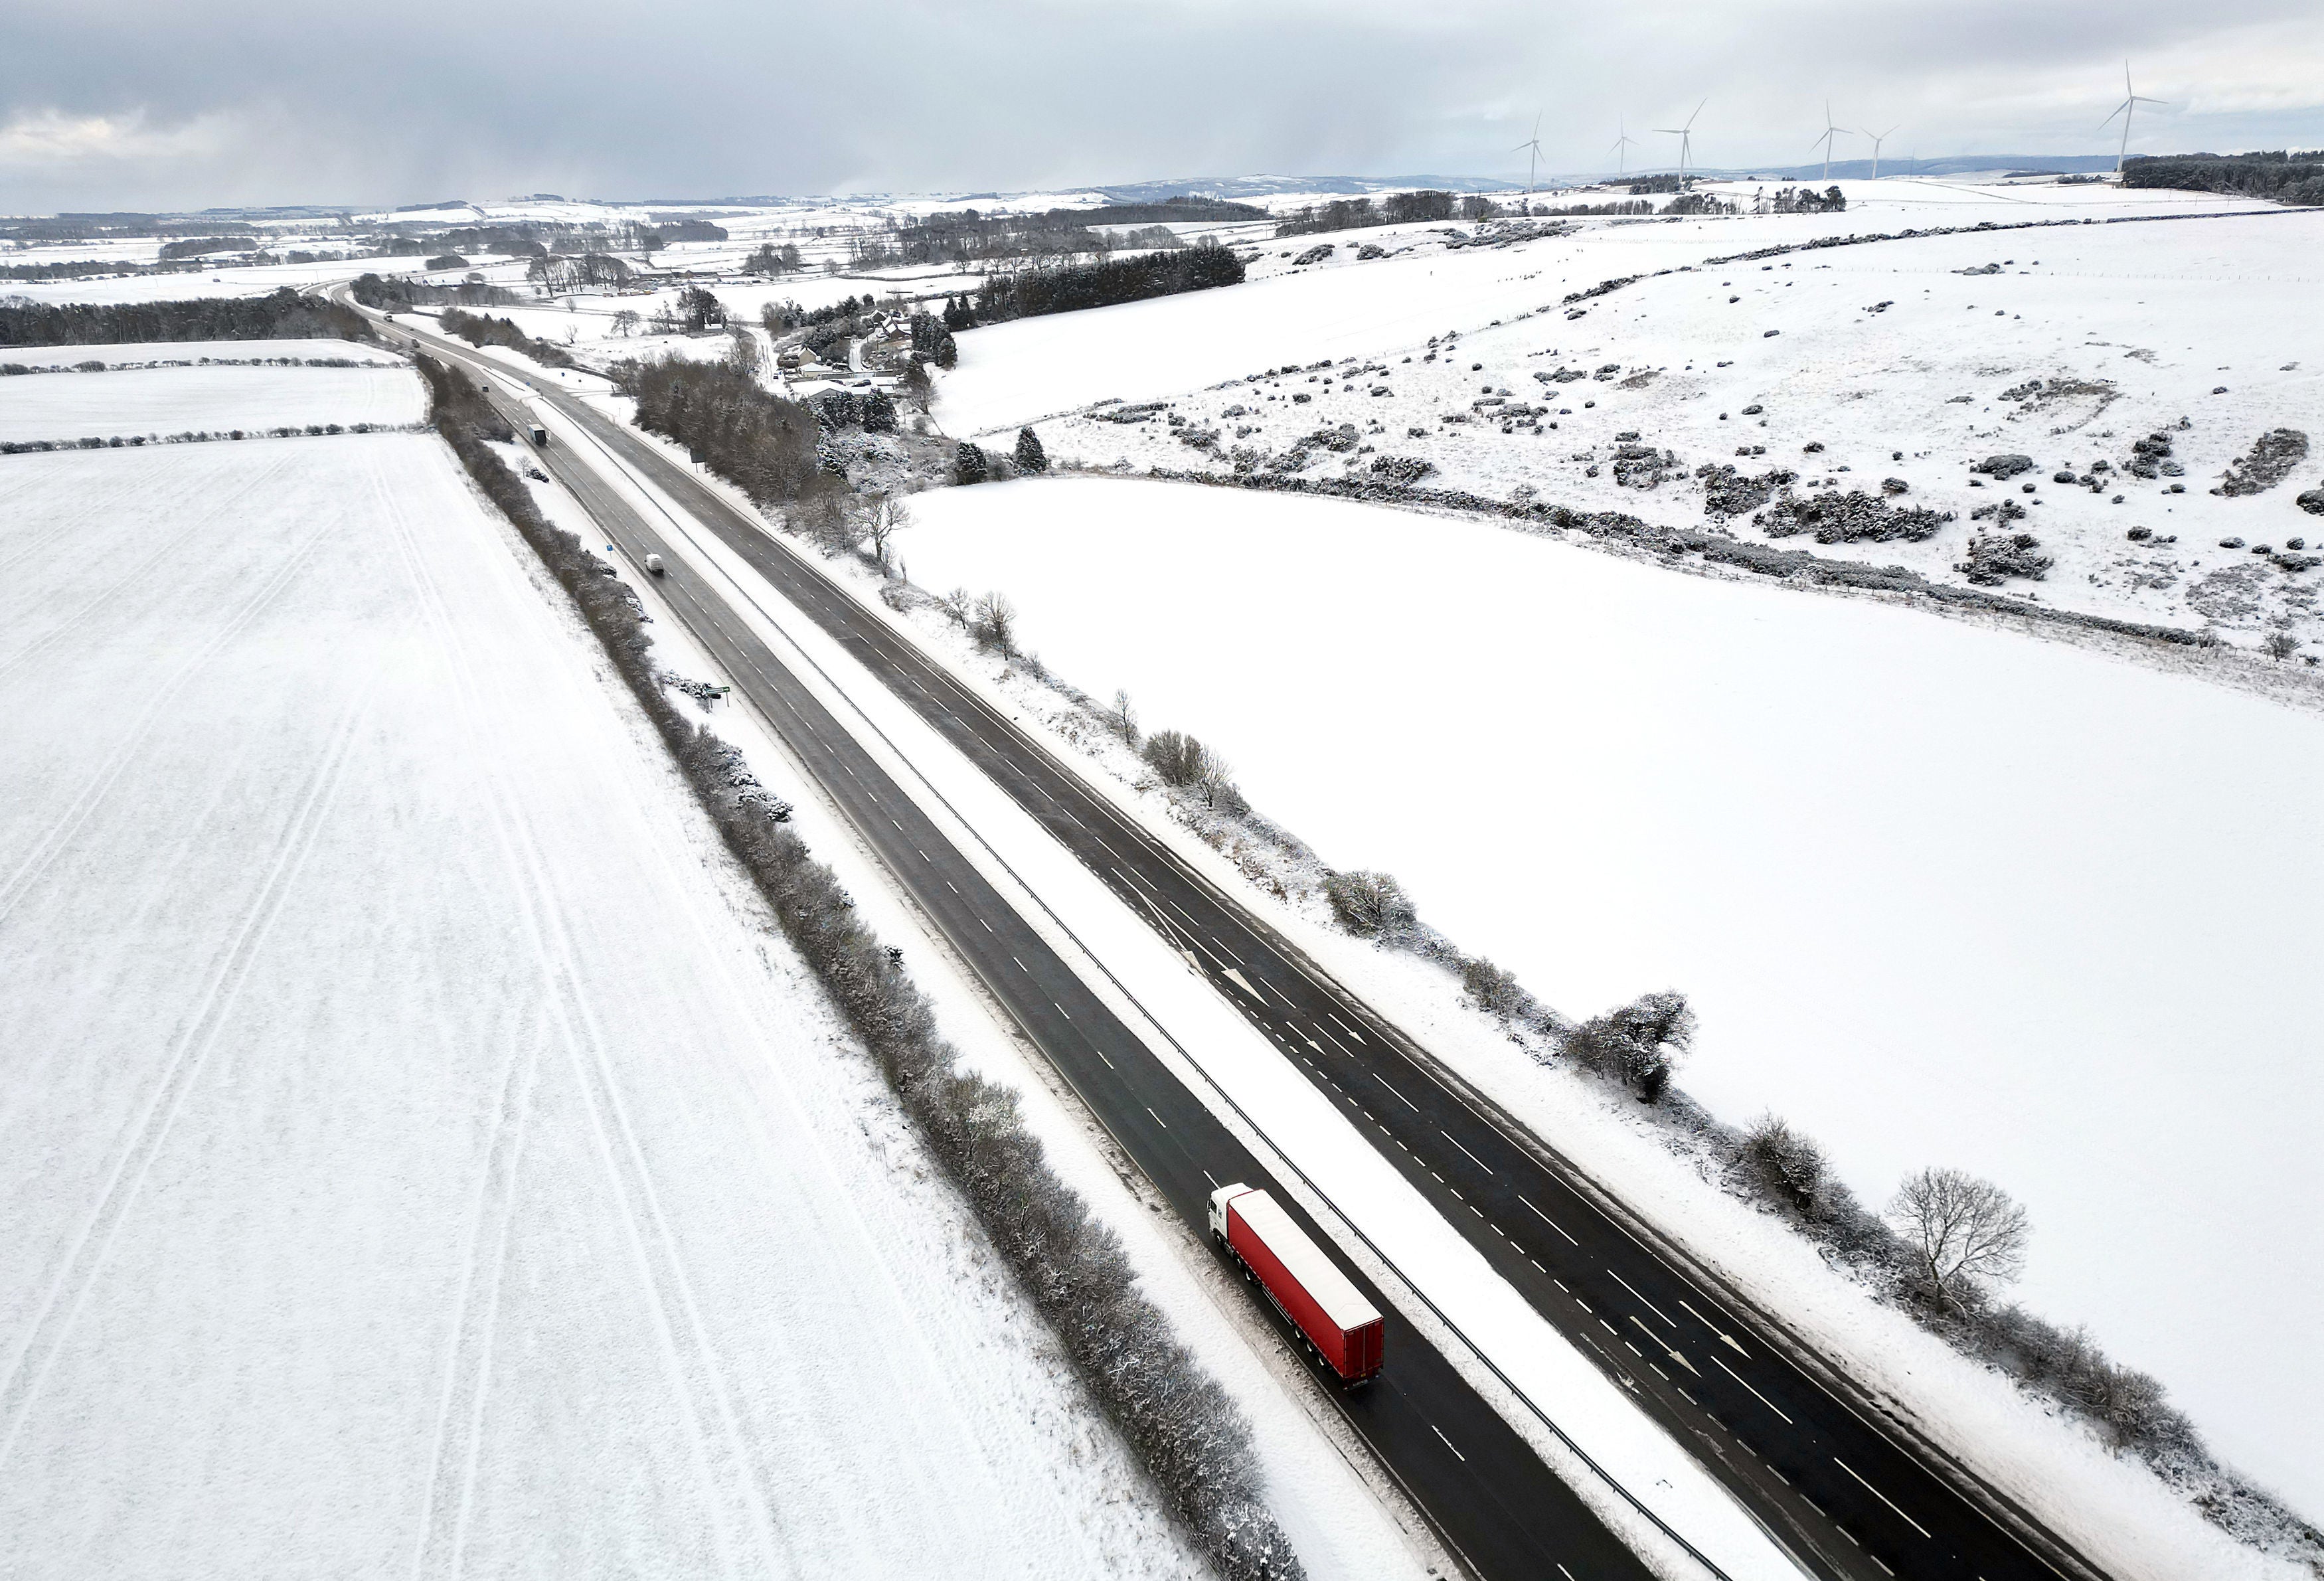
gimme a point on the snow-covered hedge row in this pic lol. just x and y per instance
(1190, 1435)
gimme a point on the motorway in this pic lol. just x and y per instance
(1850, 1494)
(1486, 1491)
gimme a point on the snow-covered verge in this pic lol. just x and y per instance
(1603, 776)
(427, 1161)
(175, 353)
(157, 402)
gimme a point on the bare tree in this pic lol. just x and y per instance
(959, 605)
(2280, 645)
(1121, 719)
(832, 522)
(995, 625)
(1961, 1230)
(742, 356)
(626, 322)
(889, 516)
(1217, 785)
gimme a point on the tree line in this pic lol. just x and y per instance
(1072, 287)
(2285, 176)
(478, 329)
(1395, 209)
(967, 236)
(730, 423)
(281, 315)
(400, 292)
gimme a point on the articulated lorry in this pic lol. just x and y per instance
(1331, 1313)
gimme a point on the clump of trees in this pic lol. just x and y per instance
(730, 423)
(2285, 176)
(770, 259)
(1184, 763)
(1808, 200)
(480, 329)
(281, 315)
(1183, 1429)
(931, 339)
(967, 234)
(1639, 1044)
(1354, 212)
(402, 293)
(559, 272)
(1068, 289)
(203, 247)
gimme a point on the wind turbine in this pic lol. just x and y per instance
(1829, 131)
(1622, 146)
(2131, 100)
(1533, 160)
(1878, 139)
(1685, 135)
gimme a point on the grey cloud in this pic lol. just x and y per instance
(433, 99)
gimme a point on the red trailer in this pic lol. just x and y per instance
(1339, 1324)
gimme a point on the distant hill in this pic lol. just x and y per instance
(1236, 187)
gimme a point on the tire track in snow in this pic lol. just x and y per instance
(61, 1305)
(45, 850)
(468, 1369)
(727, 1474)
(66, 624)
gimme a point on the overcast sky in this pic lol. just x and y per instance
(183, 104)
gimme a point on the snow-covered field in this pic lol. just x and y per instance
(1942, 894)
(424, 1162)
(153, 353)
(167, 399)
(1847, 367)
(256, 280)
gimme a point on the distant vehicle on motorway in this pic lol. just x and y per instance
(538, 435)
(653, 564)
(1339, 1323)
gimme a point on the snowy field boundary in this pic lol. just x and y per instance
(95, 364)
(1180, 1424)
(2124, 1407)
(205, 436)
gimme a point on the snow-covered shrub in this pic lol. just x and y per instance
(1401, 468)
(968, 465)
(1995, 557)
(1495, 990)
(1853, 517)
(1640, 1043)
(1178, 758)
(2272, 457)
(1370, 905)
(1032, 459)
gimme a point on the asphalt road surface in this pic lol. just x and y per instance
(1852, 1496)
